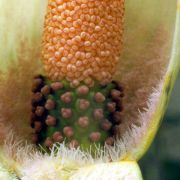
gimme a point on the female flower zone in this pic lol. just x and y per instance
(84, 85)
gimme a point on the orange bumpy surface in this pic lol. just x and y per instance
(82, 39)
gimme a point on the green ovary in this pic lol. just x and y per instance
(82, 116)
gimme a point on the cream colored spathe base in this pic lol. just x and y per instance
(108, 171)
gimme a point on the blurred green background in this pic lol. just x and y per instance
(162, 162)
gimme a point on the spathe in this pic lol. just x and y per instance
(148, 68)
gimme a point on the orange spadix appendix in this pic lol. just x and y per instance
(82, 39)
(78, 102)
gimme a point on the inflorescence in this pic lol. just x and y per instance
(78, 103)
